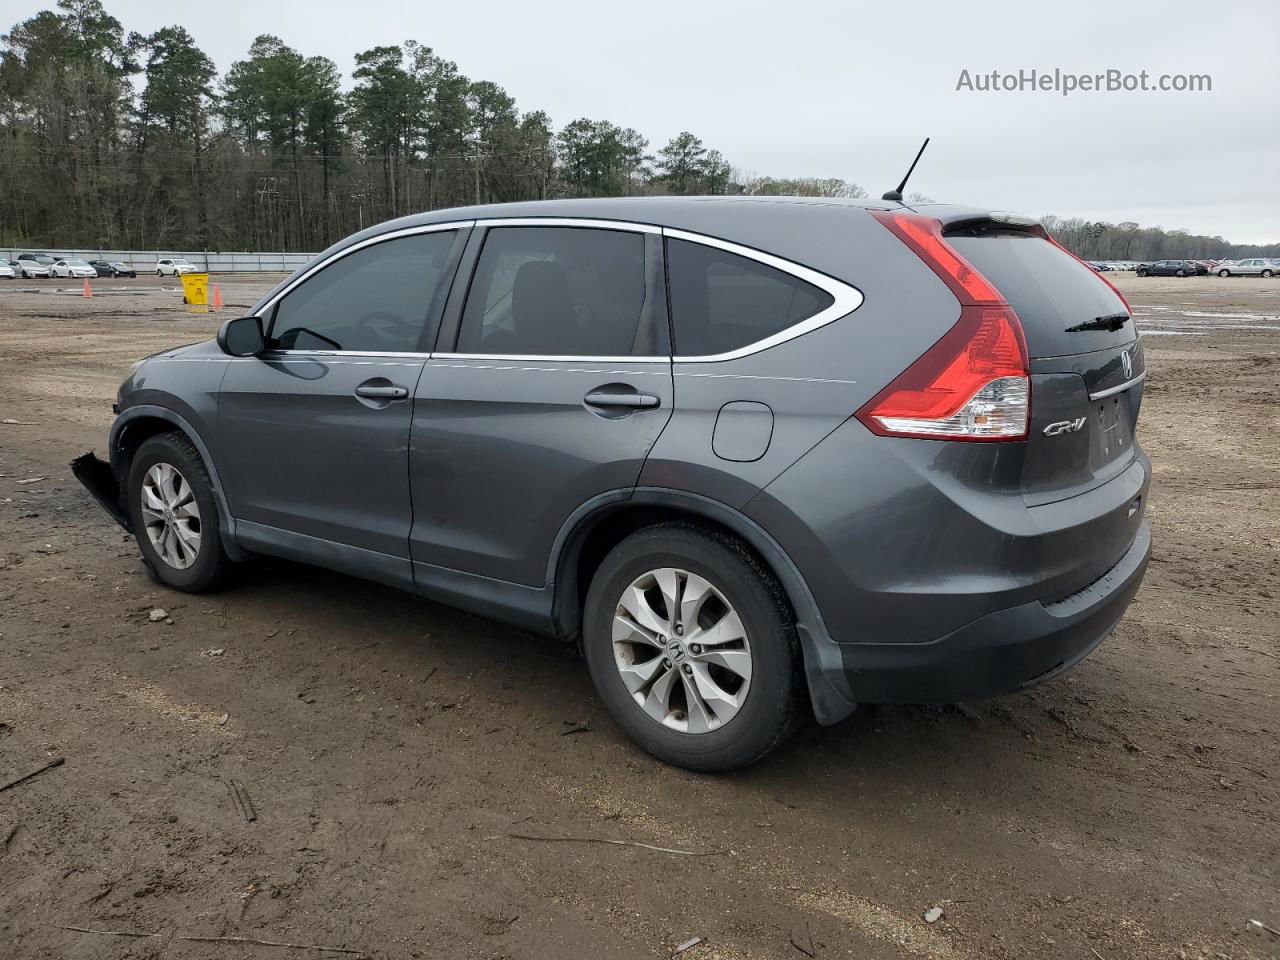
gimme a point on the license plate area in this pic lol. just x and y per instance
(1111, 428)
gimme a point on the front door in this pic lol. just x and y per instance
(315, 432)
(558, 386)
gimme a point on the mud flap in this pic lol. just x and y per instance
(100, 480)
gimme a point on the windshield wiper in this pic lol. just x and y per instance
(1110, 323)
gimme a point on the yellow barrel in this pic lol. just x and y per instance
(195, 289)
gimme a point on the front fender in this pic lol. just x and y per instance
(136, 415)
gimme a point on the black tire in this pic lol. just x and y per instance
(1266, 273)
(1181, 273)
(1142, 273)
(211, 563)
(771, 707)
(1224, 273)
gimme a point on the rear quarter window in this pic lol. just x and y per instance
(722, 302)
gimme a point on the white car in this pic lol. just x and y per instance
(7, 271)
(173, 266)
(1256, 267)
(72, 267)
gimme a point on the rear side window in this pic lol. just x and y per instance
(722, 302)
(374, 300)
(557, 291)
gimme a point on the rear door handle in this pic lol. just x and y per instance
(377, 392)
(639, 401)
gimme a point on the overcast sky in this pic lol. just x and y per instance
(849, 89)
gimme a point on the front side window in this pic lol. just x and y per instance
(376, 299)
(558, 291)
(721, 301)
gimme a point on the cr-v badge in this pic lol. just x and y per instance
(1064, 426)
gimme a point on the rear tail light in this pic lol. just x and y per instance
(974, 383)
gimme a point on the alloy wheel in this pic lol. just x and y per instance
(681, 650)
(171, 515)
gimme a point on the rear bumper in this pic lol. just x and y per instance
(998, 653)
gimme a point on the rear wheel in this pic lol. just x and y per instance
(692, 647)
(175, 514)
(1266, 273)
(1181, 273)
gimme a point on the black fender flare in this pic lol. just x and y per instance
(829, 693)
(156, 412)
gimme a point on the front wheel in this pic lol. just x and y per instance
(1224, 273)
(1142, 273)
(692, 647)
(175, 514)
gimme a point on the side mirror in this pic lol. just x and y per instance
(242, 337)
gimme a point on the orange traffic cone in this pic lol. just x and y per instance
(217, 297)
(87, 291)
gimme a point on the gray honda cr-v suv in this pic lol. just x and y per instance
(751, 452)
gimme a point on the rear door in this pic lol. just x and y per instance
(551, 384)
(315, 431)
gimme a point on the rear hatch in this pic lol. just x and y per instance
(1087, 370)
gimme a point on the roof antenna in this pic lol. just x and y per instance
(897, 194)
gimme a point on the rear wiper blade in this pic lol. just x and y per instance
(1113, 322)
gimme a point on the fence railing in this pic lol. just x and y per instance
(145, 260)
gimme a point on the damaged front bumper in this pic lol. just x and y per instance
(100, 480)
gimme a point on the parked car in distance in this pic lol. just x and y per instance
(1252, 267)
(173, 266)
(113, 268)
(744, 486)
(1167, 268)
(72, 267)
(29, 266)
(7, 271)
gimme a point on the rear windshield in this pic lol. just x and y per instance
(1049, 290)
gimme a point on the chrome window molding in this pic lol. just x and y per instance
(316, 266)
(626, 225)
(283, 354)
(845, 297)
(548, 358)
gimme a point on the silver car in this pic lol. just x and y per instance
(27, 267)
(1255, 267)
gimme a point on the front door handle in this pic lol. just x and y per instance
(639, 401)
(388, 391)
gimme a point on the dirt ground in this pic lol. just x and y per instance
(399, 754)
